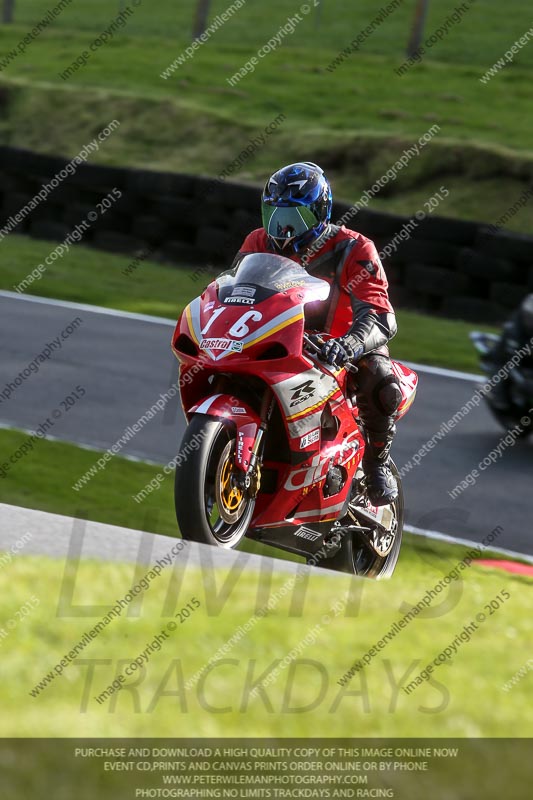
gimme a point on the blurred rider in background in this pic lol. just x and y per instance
(517, 335)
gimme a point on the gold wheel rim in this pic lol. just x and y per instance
(230, 496)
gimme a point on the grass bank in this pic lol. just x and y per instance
(355, 118)
(457, 701)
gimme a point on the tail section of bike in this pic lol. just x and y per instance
(408, 382)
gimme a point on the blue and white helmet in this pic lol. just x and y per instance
(296, 206)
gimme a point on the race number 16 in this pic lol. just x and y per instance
(239, 329)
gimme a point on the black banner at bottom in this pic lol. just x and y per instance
(296, 769)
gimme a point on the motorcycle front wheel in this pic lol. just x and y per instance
(210, 507)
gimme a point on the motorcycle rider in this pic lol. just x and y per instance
(296, 213)
(517, 335)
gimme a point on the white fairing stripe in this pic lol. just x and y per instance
(316, 511)
(305, 425)
(206, 405)
(268, 326)
(195, 318)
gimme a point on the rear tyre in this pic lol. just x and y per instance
(357, 557)
(210, 508)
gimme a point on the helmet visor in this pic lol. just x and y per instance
(286, 222)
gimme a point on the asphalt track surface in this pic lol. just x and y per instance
(124, 363)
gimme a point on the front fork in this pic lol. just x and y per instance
(251, 479)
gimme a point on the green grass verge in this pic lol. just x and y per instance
(435, 340)
(356, 120)
(45, 481)
(480, 36)
(85, 275)
(459, 700)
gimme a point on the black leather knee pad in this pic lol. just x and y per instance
(387, 395)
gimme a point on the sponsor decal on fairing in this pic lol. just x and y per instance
(310, 438)
(307, 533)
(301, 393)
(221, 344)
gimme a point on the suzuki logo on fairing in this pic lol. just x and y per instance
(302, 392)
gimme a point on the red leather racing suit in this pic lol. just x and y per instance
(359, 305)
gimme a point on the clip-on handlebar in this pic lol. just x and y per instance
(314, 341)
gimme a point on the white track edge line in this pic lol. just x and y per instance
(445, 373)
(445, 537)
(111, 312)
(115, 312)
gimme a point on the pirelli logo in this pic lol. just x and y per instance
(307, 533)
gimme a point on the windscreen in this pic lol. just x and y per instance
(269, 274)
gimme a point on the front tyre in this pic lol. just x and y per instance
(210, 507)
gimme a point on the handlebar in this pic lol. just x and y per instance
(315, 341)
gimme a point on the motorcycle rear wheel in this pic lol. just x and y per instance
(210, 508)
(356, 555)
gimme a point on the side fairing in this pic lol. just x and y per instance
(302, 398)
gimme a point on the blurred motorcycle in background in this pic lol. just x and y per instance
(511, 394)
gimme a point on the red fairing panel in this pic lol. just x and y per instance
(241, 415)
(408, 380)
(301, 487)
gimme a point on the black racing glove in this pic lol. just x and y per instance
(337, 352)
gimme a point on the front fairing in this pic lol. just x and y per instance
(250, 322)
(268, 274)
(257, 308)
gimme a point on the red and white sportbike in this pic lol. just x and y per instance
(273, 447)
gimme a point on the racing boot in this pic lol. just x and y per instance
(382, 487)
